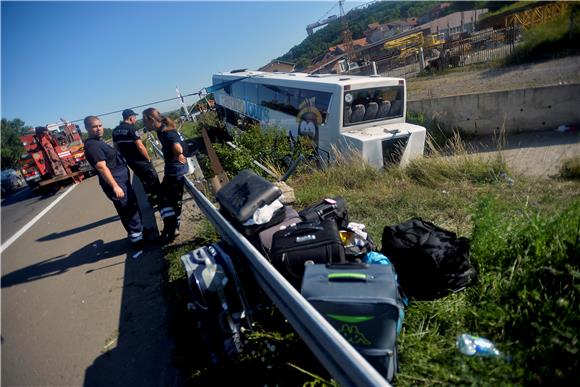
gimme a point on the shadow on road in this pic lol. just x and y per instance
(56, 235)
(141, 354)
(93, 252)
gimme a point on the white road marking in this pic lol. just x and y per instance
(18, 234)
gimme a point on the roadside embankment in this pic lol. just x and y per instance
(520, 110)
(530, 97)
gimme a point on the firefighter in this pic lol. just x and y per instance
(114, 179)
(128, 143)
(174, 147)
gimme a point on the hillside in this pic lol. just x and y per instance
(358, 19)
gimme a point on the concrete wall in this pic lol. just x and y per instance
(521, 110)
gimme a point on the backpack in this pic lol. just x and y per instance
(431, 262)
(218, 300)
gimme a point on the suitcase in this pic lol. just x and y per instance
(316, 242)
(327, 208)
(265, 236)
(244, 194)
(217, 300)
(362, 303)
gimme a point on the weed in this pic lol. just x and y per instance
(570, 168)
(270, 146)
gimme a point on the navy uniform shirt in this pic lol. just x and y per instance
(167, 139)
(97, 150)
(124, 137)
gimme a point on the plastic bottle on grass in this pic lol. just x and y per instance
(476, 346)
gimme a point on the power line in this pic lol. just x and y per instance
(139, 106)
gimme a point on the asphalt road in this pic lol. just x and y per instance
(20, 207)
(76, 309)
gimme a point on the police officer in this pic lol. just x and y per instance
(114, 179)
(128, 143)
(173, 147)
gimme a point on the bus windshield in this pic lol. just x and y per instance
(375, 104)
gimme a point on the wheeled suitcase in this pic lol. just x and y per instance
(306, 241)
(217, 299)
(362, 302)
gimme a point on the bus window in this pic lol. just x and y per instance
(238, 90)
(290, 100)
(250, 91)
(374, 104)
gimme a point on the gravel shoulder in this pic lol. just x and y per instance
(464, 81)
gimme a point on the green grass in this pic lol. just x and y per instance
(525, 242)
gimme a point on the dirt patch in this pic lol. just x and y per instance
(465, 81)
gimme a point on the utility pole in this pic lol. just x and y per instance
(346, 35)
(183, 105)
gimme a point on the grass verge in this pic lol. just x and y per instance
(525, 238)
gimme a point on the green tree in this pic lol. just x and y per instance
(11, 144)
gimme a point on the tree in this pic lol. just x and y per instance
(11, 144)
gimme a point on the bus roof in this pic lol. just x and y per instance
(304, 77)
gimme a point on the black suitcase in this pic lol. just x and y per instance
(327, 208)
(362, 302)
(244, 194)
(316, 242)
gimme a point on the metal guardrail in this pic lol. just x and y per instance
(336, 354)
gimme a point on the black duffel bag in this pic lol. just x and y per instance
(329, 208)
(431, 262)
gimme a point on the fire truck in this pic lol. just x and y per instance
(54, 155)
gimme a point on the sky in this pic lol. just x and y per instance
(72, 59)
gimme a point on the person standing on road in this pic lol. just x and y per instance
(174, 147)
(114, 179)
(129, 144)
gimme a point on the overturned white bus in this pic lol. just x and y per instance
(364, 113)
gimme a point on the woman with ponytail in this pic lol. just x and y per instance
(174, 147)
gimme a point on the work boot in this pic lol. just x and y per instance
(137, 249)
(169, 227)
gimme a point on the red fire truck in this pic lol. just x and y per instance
(54, 155)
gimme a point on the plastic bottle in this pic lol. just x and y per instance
(476, 346)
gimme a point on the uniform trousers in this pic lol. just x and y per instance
(170, 209)
(128, 211)
(148, 176)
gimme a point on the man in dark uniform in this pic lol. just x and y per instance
(114, 179)
(128, 143)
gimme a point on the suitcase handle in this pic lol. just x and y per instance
(347, 266)
(302, 228)
(347, 277)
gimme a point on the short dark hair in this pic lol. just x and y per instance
(88, 120)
